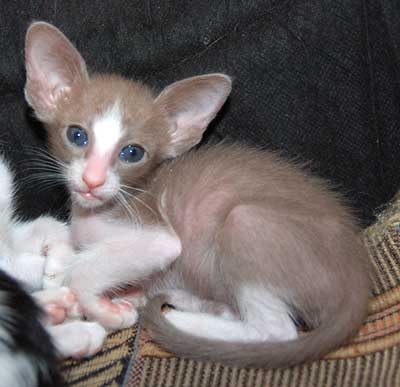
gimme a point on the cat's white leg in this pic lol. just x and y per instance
(263, 318)
(77, 338)
(183, 301)
(27, 268)
(49, 238)
(126, 258)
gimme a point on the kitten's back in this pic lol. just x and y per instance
(249, 218)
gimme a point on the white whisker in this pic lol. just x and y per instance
(135, 198)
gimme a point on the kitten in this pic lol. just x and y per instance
(32, 256)
(240, 242)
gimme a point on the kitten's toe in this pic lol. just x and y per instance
(59, 303)
(63, 296)
(134, 295)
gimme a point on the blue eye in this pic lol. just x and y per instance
(77, 136)
(131, 153)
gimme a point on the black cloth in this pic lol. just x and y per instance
(318, 80)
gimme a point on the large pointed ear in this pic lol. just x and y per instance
(190, 105)
(53, 67)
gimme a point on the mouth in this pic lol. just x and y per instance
(89, 196)
(88, 199)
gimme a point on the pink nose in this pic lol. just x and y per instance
(93, 181)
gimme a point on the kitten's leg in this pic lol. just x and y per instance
(263, 315)
(263, 318)
(186, 302)
(49, 238)
(127, 258)
(27, 268)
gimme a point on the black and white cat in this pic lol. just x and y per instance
(36, 329)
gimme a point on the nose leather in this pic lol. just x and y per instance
(95, 172)
(93, 181)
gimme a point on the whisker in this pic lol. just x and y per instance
(127, 187)
(134, 197)
(132, 214)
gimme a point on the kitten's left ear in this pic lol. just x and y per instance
(53, 67)
(191, 104)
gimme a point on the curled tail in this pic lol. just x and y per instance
(331, 333)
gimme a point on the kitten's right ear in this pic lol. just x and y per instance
(53, 67)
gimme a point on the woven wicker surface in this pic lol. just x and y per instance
(129, 358)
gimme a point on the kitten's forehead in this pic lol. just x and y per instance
(108, 128)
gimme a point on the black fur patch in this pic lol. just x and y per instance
(27, 335)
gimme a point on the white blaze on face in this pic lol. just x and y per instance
(107, 131)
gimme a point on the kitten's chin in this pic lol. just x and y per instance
(87, 200)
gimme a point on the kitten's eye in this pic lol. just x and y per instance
(77, 136)
(131, 153)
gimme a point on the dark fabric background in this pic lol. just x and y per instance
(318, 80)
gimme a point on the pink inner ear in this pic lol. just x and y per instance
(96, 169)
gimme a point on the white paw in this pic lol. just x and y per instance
(78, 338)
(54, 272)
(135, 296)
(48, 238)
(28, 268)
(59, 303)
(58, 259)
(112, 314)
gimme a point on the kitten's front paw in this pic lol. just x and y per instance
(58, 260)
(54, 272)
(78, 339)
(28, 268)
(112, 313)
(51, 239)
(59, 304)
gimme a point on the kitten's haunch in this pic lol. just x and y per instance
(239, 241)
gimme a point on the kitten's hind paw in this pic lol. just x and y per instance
(112, 313)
